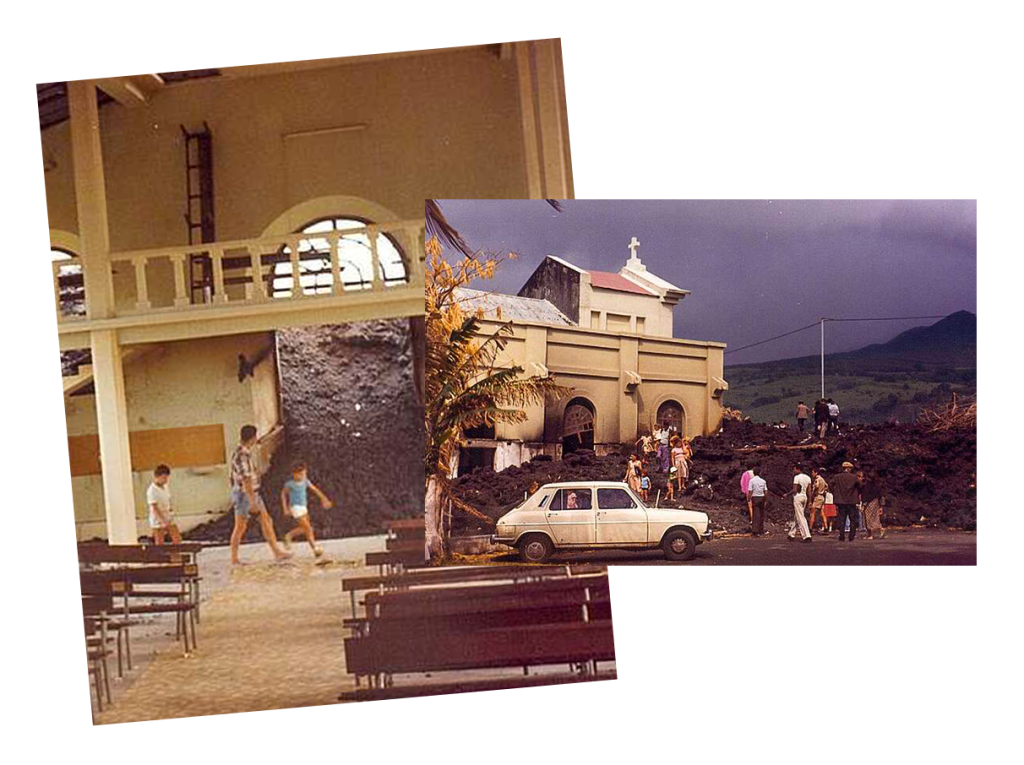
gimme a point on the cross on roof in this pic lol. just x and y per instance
(633, 245)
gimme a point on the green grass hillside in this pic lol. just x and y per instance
(919, 368)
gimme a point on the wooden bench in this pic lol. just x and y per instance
(480, 626)
(130, 583)
(96, 652)
(429, 577)
(405, 546)
(95, 554)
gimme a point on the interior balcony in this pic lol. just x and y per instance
(219, 288)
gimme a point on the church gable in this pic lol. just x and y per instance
(558, 282)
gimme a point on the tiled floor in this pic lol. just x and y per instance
(271, 637)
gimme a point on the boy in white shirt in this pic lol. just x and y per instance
(158, 500)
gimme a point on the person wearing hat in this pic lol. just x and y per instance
(846, 491)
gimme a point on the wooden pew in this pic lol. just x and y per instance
(96, 651)
(128, 583)
(553, 621)
(428, 577)
(97, 554)
(404, 546)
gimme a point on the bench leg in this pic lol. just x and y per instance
(120, 669)
(96, 685)
(193, 618)
(106, 679)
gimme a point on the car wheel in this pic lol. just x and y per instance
(679, 544)
(536, 548)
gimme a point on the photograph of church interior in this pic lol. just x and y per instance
(609, 337)
(168, 192)
(245, 246)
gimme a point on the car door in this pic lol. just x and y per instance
(621, 519)
(570, 516)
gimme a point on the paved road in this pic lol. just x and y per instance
(915, 547)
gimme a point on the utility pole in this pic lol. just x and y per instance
(823, 357)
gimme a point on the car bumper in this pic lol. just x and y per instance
(496, 540)
(707, 536)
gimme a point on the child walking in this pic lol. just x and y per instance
(295, 504)
(161, 515)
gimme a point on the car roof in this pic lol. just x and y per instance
(584, 485)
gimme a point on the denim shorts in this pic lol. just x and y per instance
(243, 507)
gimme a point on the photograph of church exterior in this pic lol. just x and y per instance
(608, 336)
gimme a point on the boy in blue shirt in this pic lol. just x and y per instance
(295, 504)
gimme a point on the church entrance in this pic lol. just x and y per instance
(671, 413)
(578, 426)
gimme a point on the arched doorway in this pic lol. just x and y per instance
(671, 413)
(578, 426)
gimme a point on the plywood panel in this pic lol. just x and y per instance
(195, 446)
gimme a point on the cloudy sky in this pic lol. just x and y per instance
(755, 268)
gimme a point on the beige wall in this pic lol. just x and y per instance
(657, 317)
(432, 122)
(174, 385)
(596, 363)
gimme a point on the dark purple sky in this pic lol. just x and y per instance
(755, 268)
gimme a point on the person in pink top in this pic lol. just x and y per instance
(745, 488)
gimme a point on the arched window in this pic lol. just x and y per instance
(578, 426)
(354, 260)
(70, 281)
(671, 414)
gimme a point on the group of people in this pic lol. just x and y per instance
(826, 417)
(671, 454)
(852, 501)
(246, 502)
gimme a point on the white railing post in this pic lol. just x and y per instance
(378, 283)
(141, 286)
(181, 297)
(258, 294)
(55, 265)
(336, 286)
(293, 245)
(220, 296)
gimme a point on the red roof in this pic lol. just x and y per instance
(609, 281)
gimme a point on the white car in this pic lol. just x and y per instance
(598, 515)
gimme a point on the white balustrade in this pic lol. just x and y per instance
(239, 276)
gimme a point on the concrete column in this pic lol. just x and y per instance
(90, 199)
(544, 121)
(536, 353)
(108, 375)
(629, 359)
(115, 455)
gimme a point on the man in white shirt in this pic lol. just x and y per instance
(833, 416)
(757, 491)
(158, 500)
(799, 491)
(661, 435)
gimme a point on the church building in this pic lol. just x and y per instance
(608, 336)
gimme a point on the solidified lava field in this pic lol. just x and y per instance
(349, 411)
(929, 478)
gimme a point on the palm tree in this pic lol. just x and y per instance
(464, 386)
(438, 227)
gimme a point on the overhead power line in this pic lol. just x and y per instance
(819, 321)
(770, 339)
